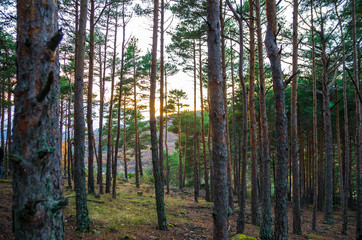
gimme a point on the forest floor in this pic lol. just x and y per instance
(133, 216)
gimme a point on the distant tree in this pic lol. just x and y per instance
(37, 179)
(175, 98)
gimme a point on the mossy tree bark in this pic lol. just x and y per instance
(37, 179)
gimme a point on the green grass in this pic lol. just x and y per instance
(130, 209)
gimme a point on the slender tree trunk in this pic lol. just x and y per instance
(83, 221)
(358, 125)
(344, 177)
(115, 164)
(218, 122)
(90, 101)
(162, 68)
(185, 157)
(110, 113)
(206, 172)
(252, 120)
(241, 217)
(266, 229)
(124, 140)
(196, 188)
(160, 204)
(179, 148)
(101, 108)
(65, 142)
(166, 144)
(314, 138)
(297, 222)
(70, 168)
(209, 134)
(235, 161)
(37, 179)
(281, 185)
(328, 142)
(8, 134)
(137, 162)
(223, 70)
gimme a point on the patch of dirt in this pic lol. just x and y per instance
(197, 222)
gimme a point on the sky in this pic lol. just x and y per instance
(141, 28)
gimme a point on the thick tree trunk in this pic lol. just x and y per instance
(160, 204)
(218, 122)
(37, 179)
(90, 101)
(266, 229)
(83, 221)
(297, 221)
(281, 185)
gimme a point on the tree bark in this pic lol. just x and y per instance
(162, 70)
(110, 113)
(115, 164)
(37, 179)
(242, 200)
(328, 142)
(196, 185)
(160, 204)
(266, 229)
(314, 138)
(252, 120)
(83, 221)
(358, 125)
(223, 70)
(137, 162)
(101, 109)
(206, 172)
(297, 222)
(281, 185)
(90, 101)
(218, 122)
(179, 148)
(343, 178)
